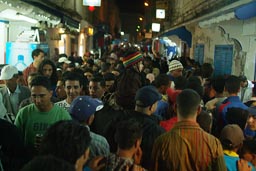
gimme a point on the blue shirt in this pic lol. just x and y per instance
(231, 159)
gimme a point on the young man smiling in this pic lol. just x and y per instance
(72, 87)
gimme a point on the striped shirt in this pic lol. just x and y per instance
(187, 147)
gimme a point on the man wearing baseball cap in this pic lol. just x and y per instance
(12, 93)
(146, 100)
(63, 62)
(82, 110)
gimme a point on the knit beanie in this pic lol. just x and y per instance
(175, 64)
(132, 59)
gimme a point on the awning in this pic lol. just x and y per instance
(246, 11)
(182, 33)
(67, 16)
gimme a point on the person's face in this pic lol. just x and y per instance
(164, 88)
(72, 89)
(64, 66)
(47, 70)
(60, 90)
(244, 84)
(94, 68)
(20, 80)
(248, 156)
(39, 58)
(95, 90)
(251, 122)
(109, 84)
(41, 97)
(153, 107)
(177, 72)
(88, 75)
(12, 83)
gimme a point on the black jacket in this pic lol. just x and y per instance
(151, 130)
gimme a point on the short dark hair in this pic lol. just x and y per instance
(161, 79)
(237, 116)
(127, 133)
(249, 146)
(232, 84)
(67, 140)
(194, 83)
(218, 84)
(48, 163)
(204, 119)
(187, 102)
(36, 52)
(88, 70)
(41, 81)
(109, 76)
(180, 82)
(98, 79)
(207, 70)
(72, 76)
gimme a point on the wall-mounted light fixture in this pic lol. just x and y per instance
(25, 18)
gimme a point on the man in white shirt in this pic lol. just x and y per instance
(73, 88)
(246, 87)
(12, 93)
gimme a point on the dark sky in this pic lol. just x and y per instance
(131, 6)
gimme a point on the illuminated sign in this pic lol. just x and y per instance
(95, 3)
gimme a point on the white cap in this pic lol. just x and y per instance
(64, 59)
(7, 72)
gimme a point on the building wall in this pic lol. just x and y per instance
(233, 32)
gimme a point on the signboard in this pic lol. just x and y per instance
(155, 27)
(18, 54)
(160, 13)
(95, 3)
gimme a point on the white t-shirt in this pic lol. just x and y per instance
(64, 104)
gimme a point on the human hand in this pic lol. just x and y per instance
(243, 165)
(96, 164)
(137, 156)
(134, 167)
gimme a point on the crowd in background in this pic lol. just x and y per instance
(128, 109)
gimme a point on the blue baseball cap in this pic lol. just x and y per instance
(83, 107)
(252, 110)
(147, 96)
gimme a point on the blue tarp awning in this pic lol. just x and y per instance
(182, 33)
(246, 11)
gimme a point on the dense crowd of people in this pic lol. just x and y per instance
(125, 110)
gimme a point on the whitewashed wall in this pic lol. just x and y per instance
(242, 31)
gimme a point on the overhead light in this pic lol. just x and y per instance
(140, 18)
(25, 18)
(146, 4)
(122, 33)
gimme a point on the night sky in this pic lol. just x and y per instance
(131, 6)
